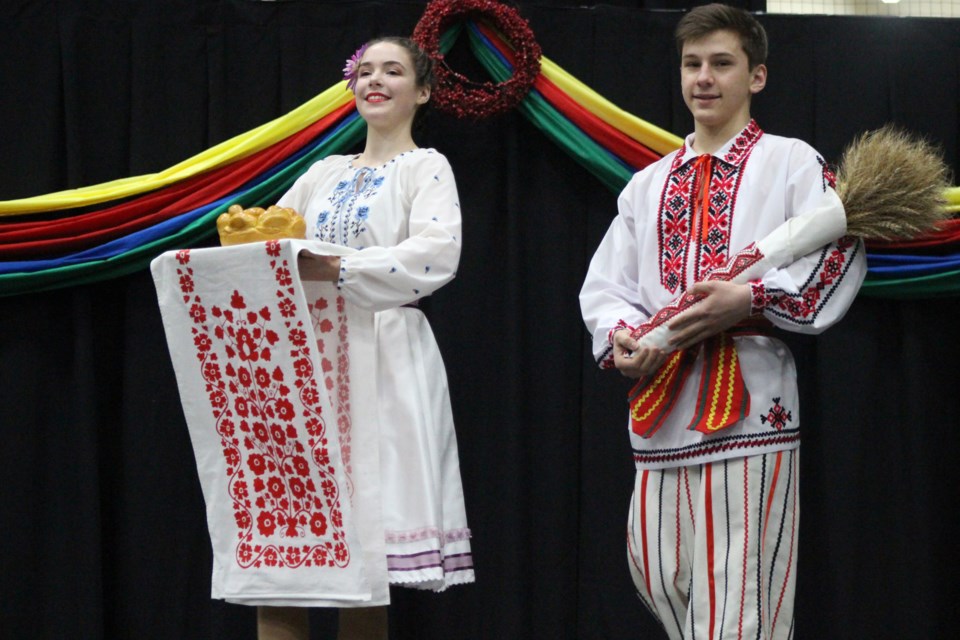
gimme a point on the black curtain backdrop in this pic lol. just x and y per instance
(102, 530)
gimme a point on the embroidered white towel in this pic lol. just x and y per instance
(274, 378)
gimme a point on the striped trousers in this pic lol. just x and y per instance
(712, 548)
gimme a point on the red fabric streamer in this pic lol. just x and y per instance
(48, 238)
(948, 233)
(629, 150)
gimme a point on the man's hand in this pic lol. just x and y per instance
(723, 305)
(632, 361)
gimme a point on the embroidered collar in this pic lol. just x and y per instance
(734, 152)
(351, 159)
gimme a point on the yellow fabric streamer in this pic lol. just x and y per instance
(952, 196)
(651, 136)
(224, 153)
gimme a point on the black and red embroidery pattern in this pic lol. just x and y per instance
(777, 416)
(742, 261)
(829, 177)
(758, 297)
(803, 307)
(676, 222)
(606, 358)
(280, 476)
(742, 444)
(743, 145)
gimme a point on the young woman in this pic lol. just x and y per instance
(397, 204)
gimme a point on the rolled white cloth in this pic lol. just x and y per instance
(795, 238)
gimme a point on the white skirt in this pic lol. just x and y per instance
(424, 518)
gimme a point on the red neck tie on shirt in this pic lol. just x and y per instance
(702, 172)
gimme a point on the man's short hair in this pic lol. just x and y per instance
(703, 20)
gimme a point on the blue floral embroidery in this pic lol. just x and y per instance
(346, 219)
(356, 225)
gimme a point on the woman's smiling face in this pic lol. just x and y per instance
(387, 93)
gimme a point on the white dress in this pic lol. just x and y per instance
(404, 219)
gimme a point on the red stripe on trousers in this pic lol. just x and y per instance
(643, 532)
(746, 538)
(711, 580)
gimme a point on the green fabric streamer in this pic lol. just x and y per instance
(932, 286)
(555, 125)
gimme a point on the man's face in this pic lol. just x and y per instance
(717, 81)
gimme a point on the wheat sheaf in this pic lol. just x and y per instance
(892, 184)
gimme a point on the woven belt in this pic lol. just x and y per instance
(723, 399)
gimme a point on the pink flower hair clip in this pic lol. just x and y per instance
(351, 67)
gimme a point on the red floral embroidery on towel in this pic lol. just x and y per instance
(280, 477)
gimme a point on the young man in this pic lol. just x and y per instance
(714, 421)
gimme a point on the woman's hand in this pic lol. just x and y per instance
(314, 267)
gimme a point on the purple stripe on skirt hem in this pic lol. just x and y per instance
(415, 562)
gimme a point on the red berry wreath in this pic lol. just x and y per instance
(460, 96)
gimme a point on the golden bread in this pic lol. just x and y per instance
(239, 225)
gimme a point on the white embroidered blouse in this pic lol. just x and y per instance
(404, 216)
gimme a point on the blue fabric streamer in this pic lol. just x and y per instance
(911, 265)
